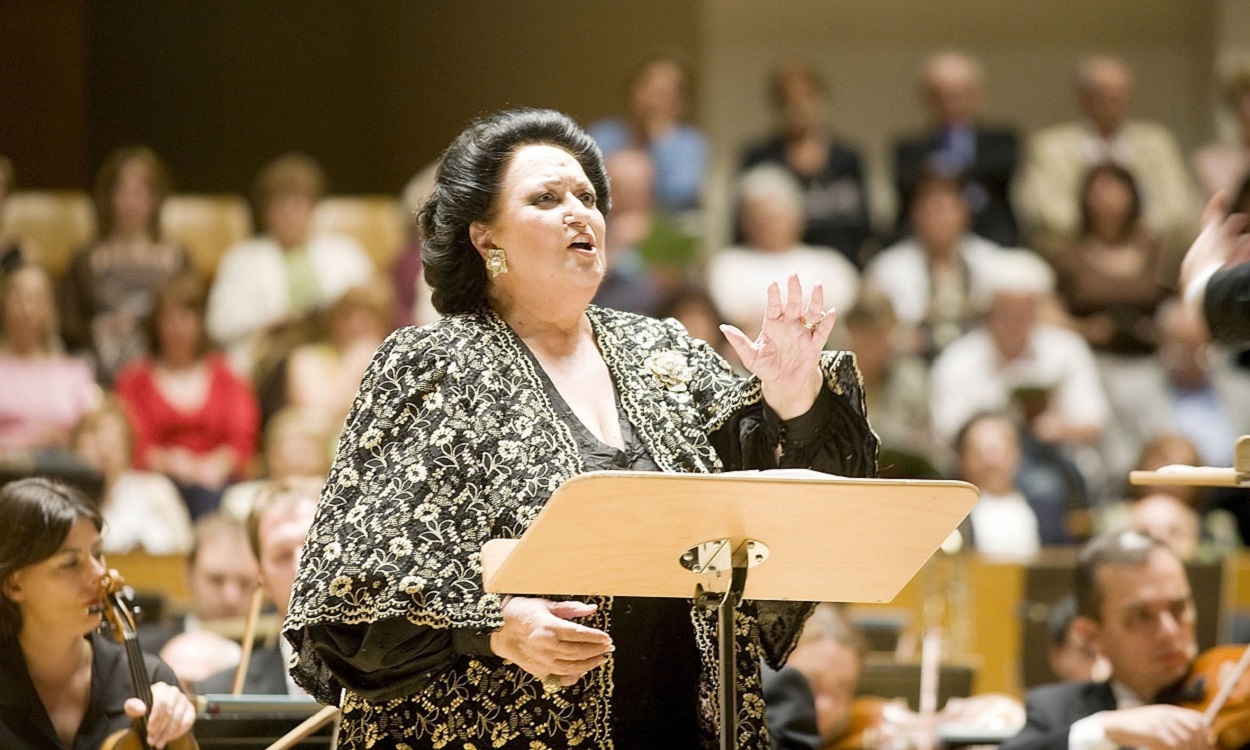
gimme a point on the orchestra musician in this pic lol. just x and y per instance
(63, 685)
(1135, 606)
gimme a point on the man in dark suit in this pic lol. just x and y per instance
(276, 529)
(958, 145)
(1135, 607)
(1215, 274)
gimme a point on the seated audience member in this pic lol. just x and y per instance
(1196, 393)
(63, 682)
(829, 171)
(1109, 278)
(221, 576)
(958, 144)
(412, 296)
(1059, 156)
(298, 443)
(658, 91)
(1134, 606)
(1002, 523)
(1013, 358)
(693, 307)
(1071, 657)
(1221, 166)
(772, 221)
(195, 420)
(809, 700)
(896, 388)
(937, 277)
(647, 254)
(111, 285)
(1169, 520)
(324, 375)
(272, 283)
(276, 529)
(142, 509)
(43, 392)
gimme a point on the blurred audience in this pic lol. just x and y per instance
(959, 145)
(1015, 359)
(771, 205)
(1072, 657)
(276, 528)
(111, 285)
(1109, 277)
(829, 171)
(1060, 155)
(896, 388)
(10, 246)
(694, 308)
(1222, 166)
(221, 575)
(195, 420)
(936, 278)
(1169, 520)
(324, 375)
(298, 443)
(648, 254)
(142, 509)
(43, 391)
(1002, 523)
(658, 100)
(267, 287)
(412, 296)
(809, 702)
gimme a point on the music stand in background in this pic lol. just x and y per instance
(804, 536)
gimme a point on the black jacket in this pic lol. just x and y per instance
(1051, 710)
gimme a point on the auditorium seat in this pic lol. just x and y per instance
(206, 225)
(53, 225)
(376, 221)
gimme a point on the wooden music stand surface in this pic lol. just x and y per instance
(805, 536)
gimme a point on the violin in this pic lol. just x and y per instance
(1218, 686)
(119, 610)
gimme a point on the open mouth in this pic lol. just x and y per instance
(583, 246)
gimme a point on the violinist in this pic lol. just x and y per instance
(63, 686)
(1135, 607)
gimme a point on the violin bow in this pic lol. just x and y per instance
(249, 637)
(1227, 685)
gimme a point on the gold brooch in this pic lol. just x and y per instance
(670, 369)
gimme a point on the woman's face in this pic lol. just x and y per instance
(549, 225)
(62, 593)
(1109, 199)
(134, 198)
(105, 445)
(179, 330)
(660, 92)
(288, 218)
(29, 305)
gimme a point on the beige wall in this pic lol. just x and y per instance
(870, 53)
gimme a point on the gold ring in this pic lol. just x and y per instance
(551, 683)
(812, 326)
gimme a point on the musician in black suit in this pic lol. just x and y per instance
(276, 529)
(1134, 605)
(1215, 274)
(983, 157)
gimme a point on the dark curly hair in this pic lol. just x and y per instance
(466, 188)
(39, 514)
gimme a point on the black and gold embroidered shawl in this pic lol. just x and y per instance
(452, 441)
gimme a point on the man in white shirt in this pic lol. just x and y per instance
(1135, 607)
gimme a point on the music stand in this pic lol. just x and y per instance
(808, 537)
(1238, 475)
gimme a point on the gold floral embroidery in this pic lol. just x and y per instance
(671, 369)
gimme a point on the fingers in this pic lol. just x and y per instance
(571, 609)
(794, 297)
(742, 345)
(825, 328)
(816, 304)
(773, 308)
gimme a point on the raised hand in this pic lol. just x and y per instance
(537, 636)
(785, 354)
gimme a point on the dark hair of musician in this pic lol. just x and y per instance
(38, 515)
(466, 191)
(1126, 548)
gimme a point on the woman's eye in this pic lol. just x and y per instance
(545, 198)
(588, 199)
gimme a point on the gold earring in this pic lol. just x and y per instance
(496, 261)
